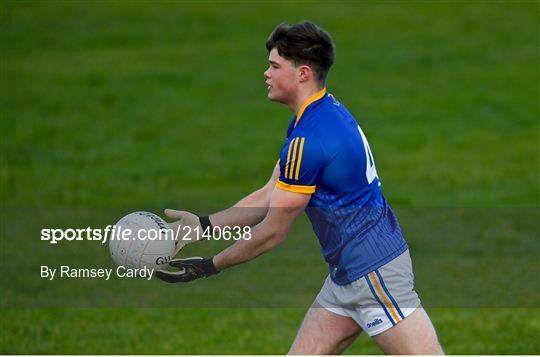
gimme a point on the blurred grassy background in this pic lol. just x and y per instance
(162, 104)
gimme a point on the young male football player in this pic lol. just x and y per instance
(325, 168)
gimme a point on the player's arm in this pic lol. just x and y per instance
(247, 212)
(284, 208)
(250, 210)
(301, 161)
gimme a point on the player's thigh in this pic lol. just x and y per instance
(324, 332)
(413, 335)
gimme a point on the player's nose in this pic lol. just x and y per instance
(267, 73)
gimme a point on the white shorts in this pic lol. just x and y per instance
(377, 301)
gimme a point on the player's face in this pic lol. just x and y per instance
(281, 78)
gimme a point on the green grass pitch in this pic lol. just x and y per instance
(120, 105)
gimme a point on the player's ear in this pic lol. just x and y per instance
(305, 73)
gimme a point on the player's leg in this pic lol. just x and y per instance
(324, 332)
(414, 335)
(403, 326)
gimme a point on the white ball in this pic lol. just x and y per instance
(149, 245)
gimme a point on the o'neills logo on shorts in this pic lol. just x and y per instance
(374, 323)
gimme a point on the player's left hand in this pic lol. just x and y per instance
(188, 269)
(188, 227)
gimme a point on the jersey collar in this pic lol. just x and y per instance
(312, 99)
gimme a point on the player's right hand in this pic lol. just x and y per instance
(187, 227)
(188, 269)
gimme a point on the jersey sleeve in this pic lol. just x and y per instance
(300, 164)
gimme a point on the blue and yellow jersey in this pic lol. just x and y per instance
(327, 155)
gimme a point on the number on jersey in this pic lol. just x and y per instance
(371, 171)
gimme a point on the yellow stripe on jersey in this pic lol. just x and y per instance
(384, 297)
(287, 163)
(293, 160)
(300, 152)
(295, 188)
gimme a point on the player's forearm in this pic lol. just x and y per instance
(259, 198)
(262, 241)
(249, 211)
(264, 237)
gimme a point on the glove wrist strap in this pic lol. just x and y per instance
(209, 267)
(205, 223)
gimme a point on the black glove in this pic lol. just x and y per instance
(188, 269)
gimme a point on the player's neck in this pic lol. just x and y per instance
(303, 96)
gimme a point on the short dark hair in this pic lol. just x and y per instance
(304, 43)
